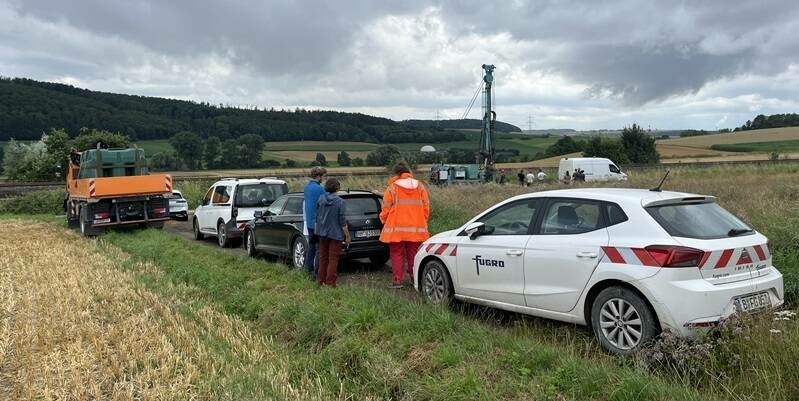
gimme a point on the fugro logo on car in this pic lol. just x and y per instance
(479, 261)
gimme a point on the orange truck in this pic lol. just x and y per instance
(112, 187)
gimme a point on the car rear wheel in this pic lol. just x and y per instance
(436, 284)
(221, 235)
(622, 321)
(298, 248)
(197, 234)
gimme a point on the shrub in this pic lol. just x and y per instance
(39, 202)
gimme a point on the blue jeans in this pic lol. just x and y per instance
(312, 254)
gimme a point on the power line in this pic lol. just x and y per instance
(477, 92)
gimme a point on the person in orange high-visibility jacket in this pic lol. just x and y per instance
(406, 209)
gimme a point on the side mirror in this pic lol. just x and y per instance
(475, 229)
(258, 214)
(201, 202)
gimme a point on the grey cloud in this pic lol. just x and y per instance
(273, 37)
(642, 51)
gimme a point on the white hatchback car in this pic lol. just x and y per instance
(628, 262)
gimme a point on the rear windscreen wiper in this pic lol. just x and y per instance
(738, 231)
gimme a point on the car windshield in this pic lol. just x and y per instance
(698, 220)
(363, 206)
(258, 194)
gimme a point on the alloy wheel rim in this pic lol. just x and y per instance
(222, 235)
(434, 285)
(299, 254)
(621, 324)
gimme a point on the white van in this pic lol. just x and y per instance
(595, 168)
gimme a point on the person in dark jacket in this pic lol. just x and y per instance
(331, 228)
(311, 193)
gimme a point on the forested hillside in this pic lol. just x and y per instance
(460, 124)
(28, 108)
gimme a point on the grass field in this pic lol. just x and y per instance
(715, 146)
(149, 315)
(305, 151)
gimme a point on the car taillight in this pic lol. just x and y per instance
(101, 215)
(159, 210)
(675, 256)
(235, 212)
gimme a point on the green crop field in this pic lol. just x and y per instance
(305, 151)
(774, 146)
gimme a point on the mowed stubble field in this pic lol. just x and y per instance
(148, 315)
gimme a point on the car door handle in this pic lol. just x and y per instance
(514, 252)
(588, 255)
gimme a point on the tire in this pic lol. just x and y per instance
(249, 244)
(435, 284)
(72, 221)
(197, 234)
(379, 261)
(85, 229)
(622, 321)
(221, 235)
(298, 248)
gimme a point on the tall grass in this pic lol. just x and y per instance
(363, 343)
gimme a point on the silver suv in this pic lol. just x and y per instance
(229, 204)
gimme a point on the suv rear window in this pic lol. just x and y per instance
(697, 220)
(362, 206)
(260, 194)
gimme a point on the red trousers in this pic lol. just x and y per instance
(329, 254)
(402, 254)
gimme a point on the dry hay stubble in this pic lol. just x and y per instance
(74, 325)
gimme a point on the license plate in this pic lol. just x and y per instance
(754, 302)
(367, 233)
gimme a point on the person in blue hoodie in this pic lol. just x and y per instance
(311, 193)
(331, 228)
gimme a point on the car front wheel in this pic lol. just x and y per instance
(249, 243)
(436, 284)
(197, 234)
(298, 252)
(622, 321)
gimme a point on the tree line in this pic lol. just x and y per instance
(29, 108)
(773, 121)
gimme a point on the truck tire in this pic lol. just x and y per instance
(72, 220)
(85, 228)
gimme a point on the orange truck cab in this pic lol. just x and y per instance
(111, 187)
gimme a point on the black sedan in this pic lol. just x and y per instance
(278, 229)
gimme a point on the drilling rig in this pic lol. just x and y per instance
(485, 157)
(483, 170)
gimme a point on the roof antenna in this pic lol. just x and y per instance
(657, 188)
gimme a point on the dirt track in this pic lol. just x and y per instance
(351, 272)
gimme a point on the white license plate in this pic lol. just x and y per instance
(754, 302)
(367, 233)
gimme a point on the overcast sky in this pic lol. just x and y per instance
(562, 64)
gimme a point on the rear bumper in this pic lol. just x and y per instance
(364, 249)
(683, 306)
